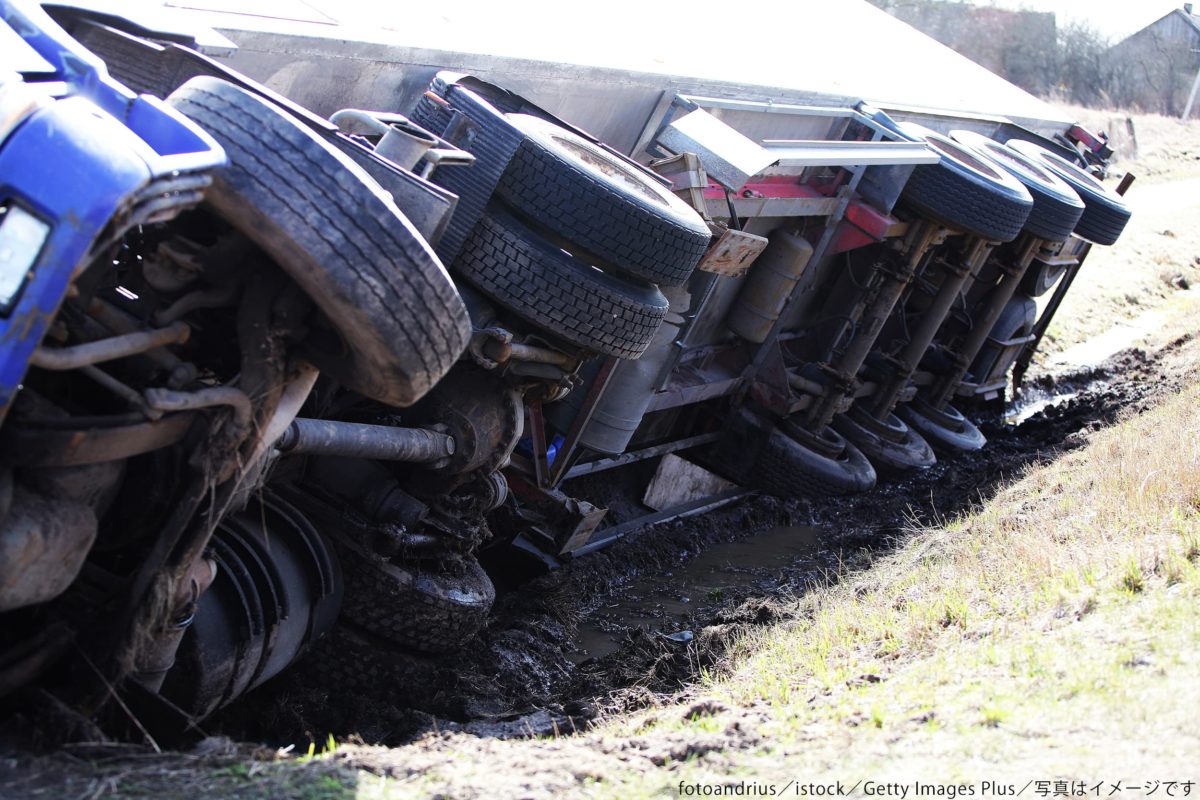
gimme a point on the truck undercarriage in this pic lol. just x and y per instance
(267, 375)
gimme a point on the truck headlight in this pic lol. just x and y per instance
(21, 238)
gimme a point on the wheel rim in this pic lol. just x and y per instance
(594, 158)
(1022, 165)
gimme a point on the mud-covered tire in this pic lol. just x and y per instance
(1105, 214)
(953, 434)
(1056, 206)
(965, 190)
(786, 468)
(399, 321)
(606, 207)
(902, 453)
(432, 608)
(351, 658)
(520, 270)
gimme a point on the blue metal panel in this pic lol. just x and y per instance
(82, 164)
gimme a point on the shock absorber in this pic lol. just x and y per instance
(964, 353)
(905, 363)
(892, 283)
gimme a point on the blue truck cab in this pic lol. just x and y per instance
(82, 161)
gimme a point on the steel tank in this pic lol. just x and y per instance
(632, 385)
(768, 286)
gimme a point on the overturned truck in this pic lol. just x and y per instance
(269, 378)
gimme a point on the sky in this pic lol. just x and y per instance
(1114, 18)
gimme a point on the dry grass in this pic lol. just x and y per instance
(1119, 518)
(1152, 146)
(1159, 252)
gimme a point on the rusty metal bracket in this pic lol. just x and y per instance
(568, 522)
(733, 253)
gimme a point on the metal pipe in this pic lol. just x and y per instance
(906, 362)
(126, 393)
(401, 141)
(355, 440)
(804, 384)
(295, 394)
(499, 350)
(130, 344)
(291, 400)
(202, 298)
(167, 400)
(339, 118)
(543, 355)
(119, 321)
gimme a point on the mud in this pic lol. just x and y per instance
(620, 628)
(655, 604)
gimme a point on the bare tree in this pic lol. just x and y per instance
(1085, 75)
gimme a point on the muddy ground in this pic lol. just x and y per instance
(626, 626)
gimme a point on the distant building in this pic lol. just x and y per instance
(1020, 46)
(1154, 68)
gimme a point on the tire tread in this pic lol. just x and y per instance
(373, 260)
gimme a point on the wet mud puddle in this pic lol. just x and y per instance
(661, 604)
(1034, 400)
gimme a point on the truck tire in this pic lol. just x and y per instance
(399, 321)
(546, 286)
(951, 434)
(434, 608)
(902, 452)
(1016, 319)
(1056, 206)
(786, 468)
(607, 208)
(1105, 214)
(352, 659)
(966, 191)
(1040, 278)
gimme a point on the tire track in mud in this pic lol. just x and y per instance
(525, 676)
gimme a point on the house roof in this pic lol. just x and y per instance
(1193, 20)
